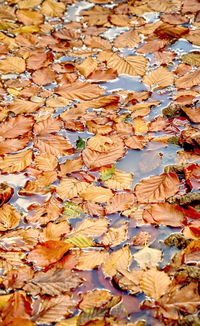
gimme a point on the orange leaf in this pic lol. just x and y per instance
(6, 192)
(16, 162)
(48, 253)
(157, 188)
(53, 144)
(22, 106)
(43, 76)
(79, 90)
(47, 126)
(9, 217)
(16, 126)
(18, 306)
(164, 213)
(120, 202)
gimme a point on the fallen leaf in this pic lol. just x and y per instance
(189, 80)
(157, 188)
(120, 202)
(19, 106)
(96, 298)
(16, 126)
(127, 39)
(164, 213)
(6, 192)
(154, 283)
(52, 8)
(88, 260)
(159, 78)
(96, 194)
(114, 236)
(47, 253)
(47, 126)
(16, 162)
(9, 217)
(192, 113)
(130, 281)
(148, 257)
(87, 67)
(12, 65)
(70, 187)
(192, 176)
(91, 227)
(81, 90)
(53, 282)
(53, 144)
(43, 76)
(117, 261)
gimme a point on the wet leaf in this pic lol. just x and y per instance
(88, 260)
(120, 202)
(148, 257)
(70, 187)
(91, 227)
(154, 283)
(117, 261)
(159, 78)
(95, 298)
(12, 65)
(80, 90)
(48, 253)
(6, 192)
(53, 282)
(114, 236)
(157, 188)
(52, 8)
(16, 126)
(96, 194)
(16, 162)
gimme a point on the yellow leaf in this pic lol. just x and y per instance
(96, 194)
(154, 283)
(52, 8)
(3, 300)
(140, 126)
(12, 65)
(27, 4)
(88, 260)
(119, 180)
(159, 78)
(117, 261)
(70, 187)
(99, 143)
(148, 257)
(27, 29)
(16, 162)
(91, 227)
(87, 66)
(81, 241)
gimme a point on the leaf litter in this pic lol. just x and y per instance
(99, 162)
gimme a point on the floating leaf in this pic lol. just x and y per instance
(9, 217)
(157, 188)
(81, 241)
(88, 260)
(148, 257)
(114, 236)
(91, 227)
(117, 261)
(159, 77)
(16, 162)
(80, 143)
(154, 283)
(96, 194)
(12, 65)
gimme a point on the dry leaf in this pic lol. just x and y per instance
(9, 217)
(80, 90)
(88, 260)
(159, 77)
(70, 187)
(16, 162)
(16, 126)
(52, 8)
(120, 202)
(96, 194)
(12, 65)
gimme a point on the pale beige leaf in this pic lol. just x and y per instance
(96, 194)
(91, 227)
(154, 283)
(114, 236)
(148, 257)
(164, 6)
(117, 261)
(159, 77)
(9, 217)
(12, 65)
(88, 260)
(70, 187)
(16, 162)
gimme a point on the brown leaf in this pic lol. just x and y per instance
(48, 253)
(12, 65)
(154, 283)
(52, 8)
(49, 310)
(71, 166)
(157, 188)
(192, 113)
(88, 260)
(127, 39)
(43, 76)
(96, 194)
(117, 261)
(136, 142)
(28, 17)
(79, 90)
(6, 192)
(16, 162)
(91, 227)
(18, 306)
(188, 80)
(53, 282)
(19, 240)
(46, 162)
(16, 126)
(9, 217)
(53, 144)
(47, 126)
(164, 213)
(102, 75)
(120, 202)
(95, 299)
(159, 78)
(38, 60)
(13, 145)
(19, 106)
(114, 236)
(87, 66)
(49, 210)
